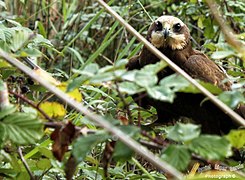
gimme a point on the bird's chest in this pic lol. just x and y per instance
(179, 57)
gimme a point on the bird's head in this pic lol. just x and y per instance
(169, 31)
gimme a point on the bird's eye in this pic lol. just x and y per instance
(158, 26)
(177, 27)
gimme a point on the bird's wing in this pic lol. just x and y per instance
(200, 67)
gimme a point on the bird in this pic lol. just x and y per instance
(172, 37)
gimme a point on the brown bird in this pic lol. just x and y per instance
(172, 37)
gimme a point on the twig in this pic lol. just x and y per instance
(101, 121)
(31, 104)
(227, 31)
(237, 118)
(25, 164)
(155, 140)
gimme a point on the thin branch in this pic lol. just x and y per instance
(227, 31)
(32, 177)
(237, 118)
(31, 104)
(101, 121)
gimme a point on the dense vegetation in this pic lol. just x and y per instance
(86, 50)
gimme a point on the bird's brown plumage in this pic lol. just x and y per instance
(172, 37)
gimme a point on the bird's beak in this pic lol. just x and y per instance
(166, 33)
(166, 30)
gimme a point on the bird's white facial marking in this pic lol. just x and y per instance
(175, 40)
(157, 39)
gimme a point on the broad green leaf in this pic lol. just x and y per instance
(184, 132)
(232, 98)
(174, 82)
(102, 77)
(7, 111)
(145, 79)
(22, 128)
(176, 155)
(44, 164)
(152, 69)
(160, 93)
(211, 147)
(122, 152)
(210, 87)
(84, 144)
(20, 37)
(90, 69)
(237, 138)
(129, 88)
(222, 54)
(53, 109)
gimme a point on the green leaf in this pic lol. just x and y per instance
(176, 155)
(129, 88)
(232, 98)
(145, 79)
(102, 77)
(152, 69)
(122, 152)
(41, 29)
(43, 164)
(222, 54)
(174, 82)
(237, 138)
(77, 54)
(20, 37)
(7, 111)
(160, 93)
(22, 128)
(184, 132)
(84, 144)
(211, 147)
(77, 82)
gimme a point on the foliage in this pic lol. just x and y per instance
(83, 47)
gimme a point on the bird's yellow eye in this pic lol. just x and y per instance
(158, 26)
(177, 27)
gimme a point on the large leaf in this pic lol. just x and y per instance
(232, 98)
(84, 144)
(7, 111)
(174, 82)
(21, 128)
(129, 87)
(237, 138)
(122, 152)
(177, 155)
(184, 132)
(211, 147)
(53, 109)
(145, 79)
(152, 69)
(20, 37)
(160, 93)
